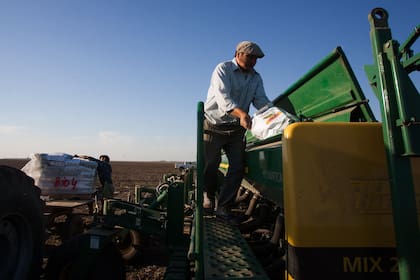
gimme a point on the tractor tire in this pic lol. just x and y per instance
(71, 261)
(61, 261)
(109, 265)
(21, 226)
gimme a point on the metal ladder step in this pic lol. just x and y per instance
(227, 255)
(178, 268)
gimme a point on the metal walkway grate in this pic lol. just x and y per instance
(226, 254)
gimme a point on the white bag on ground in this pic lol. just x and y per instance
(61, 175)
(270, 121)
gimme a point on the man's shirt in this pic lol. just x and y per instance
(230, 88)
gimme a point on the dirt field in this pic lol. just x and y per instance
(127, 175)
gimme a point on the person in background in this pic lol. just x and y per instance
(234, 86)
(104, 171)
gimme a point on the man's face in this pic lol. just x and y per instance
(246, 61)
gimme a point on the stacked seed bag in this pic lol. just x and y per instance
(62, 175)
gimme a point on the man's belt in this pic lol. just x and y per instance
(223, 129)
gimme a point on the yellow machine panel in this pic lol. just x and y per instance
(337, 200)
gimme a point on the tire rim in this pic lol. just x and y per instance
(128, 244)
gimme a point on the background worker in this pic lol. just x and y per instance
(234, 86)
(104, 171)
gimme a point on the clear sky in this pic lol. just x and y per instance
(124, 77)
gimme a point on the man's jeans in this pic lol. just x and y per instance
(233, 144)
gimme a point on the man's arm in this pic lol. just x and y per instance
(260, 99)
(87, 157)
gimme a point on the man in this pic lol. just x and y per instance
(234, 86)
(104, 171)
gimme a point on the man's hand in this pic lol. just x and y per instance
(244, 119)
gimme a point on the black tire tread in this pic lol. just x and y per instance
(21, 198)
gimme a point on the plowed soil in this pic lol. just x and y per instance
(126, 175)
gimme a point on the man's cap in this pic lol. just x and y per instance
(249, 47)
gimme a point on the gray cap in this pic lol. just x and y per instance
(251, 48)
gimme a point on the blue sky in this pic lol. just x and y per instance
(124, 77)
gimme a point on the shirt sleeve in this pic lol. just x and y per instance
(260, 98)
(220, 89)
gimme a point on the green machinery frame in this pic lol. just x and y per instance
(400, 103)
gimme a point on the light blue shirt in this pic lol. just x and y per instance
(230, 88)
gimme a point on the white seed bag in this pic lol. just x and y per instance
(270, 121)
